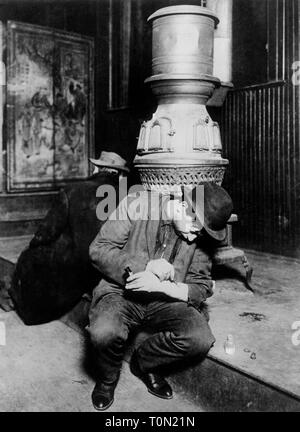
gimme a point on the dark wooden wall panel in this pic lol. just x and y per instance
(260, 129)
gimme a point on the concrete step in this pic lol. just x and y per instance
(260, 323)
(44, 369)
(215, 384)
(264, 372)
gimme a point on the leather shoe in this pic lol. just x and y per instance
(103, 395)
(154, 382)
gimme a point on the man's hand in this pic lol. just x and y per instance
(161, 268)
(143, 281)
(147, 281)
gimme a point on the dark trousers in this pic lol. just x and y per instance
(179, 332)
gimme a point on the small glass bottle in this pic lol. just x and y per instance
(229, 346)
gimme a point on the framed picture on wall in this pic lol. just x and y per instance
(50, 106)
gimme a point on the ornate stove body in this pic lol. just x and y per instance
(181, 144)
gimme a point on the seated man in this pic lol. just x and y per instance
(161, 239)
(54, 272)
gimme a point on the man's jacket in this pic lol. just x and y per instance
(128, 238)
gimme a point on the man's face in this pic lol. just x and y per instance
(184, 222)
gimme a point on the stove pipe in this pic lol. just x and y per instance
(181, 144)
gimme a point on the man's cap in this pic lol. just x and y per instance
(212, 206)
(110, 160)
